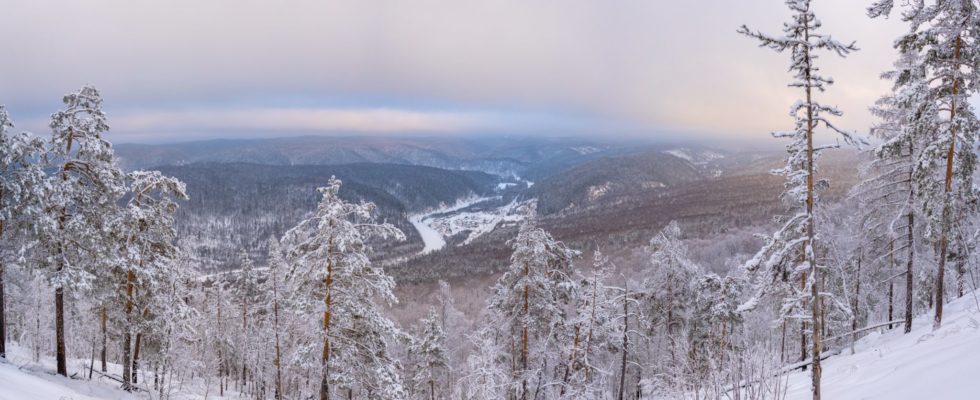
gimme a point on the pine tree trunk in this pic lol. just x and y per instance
(857, 304)
(891, 284)
(59, 292)
(221, 359)
(127, 336)
(127, 376)
(944, 240)
(782, 344)
(908, 275)
(136, 357)
(328, 302)
(275, 321)
(626, 322)
(524, 338)
(815, 289)
(588, 337)
(59, 328)
(244, 338)
(804, 351)
(105, 339)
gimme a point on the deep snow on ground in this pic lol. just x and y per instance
(23, 379)
(922, 365)
(24, 384)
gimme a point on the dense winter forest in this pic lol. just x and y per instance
(265, 289)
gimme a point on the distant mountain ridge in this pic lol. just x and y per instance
(503, 156)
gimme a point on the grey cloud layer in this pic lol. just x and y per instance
(649, 65)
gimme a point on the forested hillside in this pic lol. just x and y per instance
(235, 207)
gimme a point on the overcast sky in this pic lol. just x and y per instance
(190, 69)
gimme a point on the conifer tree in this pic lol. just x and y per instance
(530, 301)
(21, 178)
(146, 229)
(81, 196)
(780, 255)
(328, 255)
(890, 196)
(431, 361)
(943, 34)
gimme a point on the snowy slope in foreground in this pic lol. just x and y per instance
(944, 364)
(18, 384)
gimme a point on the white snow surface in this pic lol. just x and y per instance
(431, 238)
(23, 379)
(923, 364)
(22, 384)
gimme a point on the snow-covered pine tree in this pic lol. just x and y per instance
(456, 326)
(945, 34)
(597, 326)
(714, 317)
(431, 363)
(780, 256)
(146, 229)
(671, 287)
(889, 196)
(328, 253)
(172, 322)
(81, 198)
(21, 178)
(276, 268)
(530, 302)
(246, 291)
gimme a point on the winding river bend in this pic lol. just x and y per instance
(432, 238)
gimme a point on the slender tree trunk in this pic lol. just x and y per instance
(804, 351)
(59, 327)
(815, 288)
(127, 364)
(909, 275)
(59, 292)
(961, 276)
(524, 338)
(626, 341)
(221, 359)
(944, 239)
(782, 344)
(328, 302)
(91, 363)
(857, 304)
(244, 337)
(588, 338)
(891, 284)
(105, 338)
(136, 357)
(127, 335)
(275, 321)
